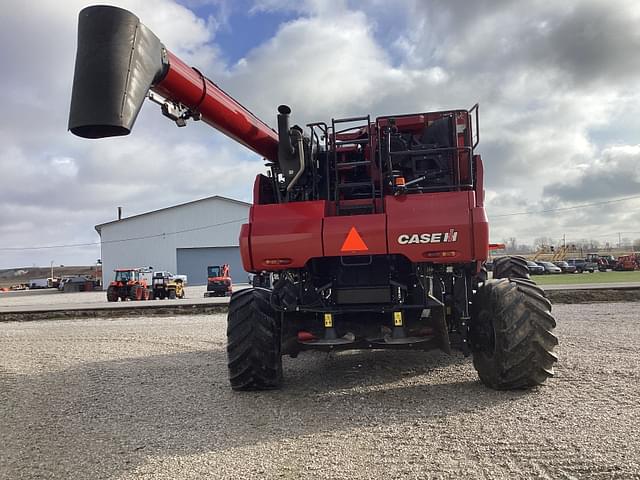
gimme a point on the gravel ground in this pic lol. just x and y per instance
(147, 398)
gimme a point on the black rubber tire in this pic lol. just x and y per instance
(133, 293)
(513, 266)
(172, 294)
(112, 294)
(253, 341)
(511, 335)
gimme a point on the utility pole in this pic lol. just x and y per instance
(52, 270)
(619, 240)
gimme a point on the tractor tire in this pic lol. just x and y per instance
(172, 294)
(135, 293)
(253, 341)
(513, 266)
(512, 336)
(112, 295)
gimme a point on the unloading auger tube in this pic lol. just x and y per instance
(120, 62)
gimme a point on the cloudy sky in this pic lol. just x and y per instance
(557, 82)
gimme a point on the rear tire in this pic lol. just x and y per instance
(253, 342)
(512, 336)
(133, 293)
(513, 266)
(172, 294)
(112, 295)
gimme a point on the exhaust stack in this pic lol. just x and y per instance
(118, 60)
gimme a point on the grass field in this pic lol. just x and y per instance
(595, 277)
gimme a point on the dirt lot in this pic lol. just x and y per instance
(148, 398)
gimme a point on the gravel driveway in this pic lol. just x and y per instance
(148, 398)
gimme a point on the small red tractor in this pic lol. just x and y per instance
(218, 281)
(373, 230)
(627, 263)
(129, 284)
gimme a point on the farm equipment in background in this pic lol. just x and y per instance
(77, 283)
(601, 261)
(129, 284)
(166, 285)
(608, 261)
(374, 230)
(219, 282)
(627, 263)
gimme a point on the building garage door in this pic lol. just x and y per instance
(193, 262)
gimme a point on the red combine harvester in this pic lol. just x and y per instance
(218, 281)
(128, 284)
(373, 230)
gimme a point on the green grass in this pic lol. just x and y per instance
(595, 277)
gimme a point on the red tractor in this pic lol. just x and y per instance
(373, 229)
(129, 284)
(218, 281)
(627, 263)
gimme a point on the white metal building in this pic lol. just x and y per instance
(182, 239)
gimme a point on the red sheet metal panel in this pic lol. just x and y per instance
(288, 234)
(422, 226)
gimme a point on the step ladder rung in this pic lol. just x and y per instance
(347, 165)
(355, 185)
(358, 141)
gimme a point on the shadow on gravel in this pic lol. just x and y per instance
(103, 419)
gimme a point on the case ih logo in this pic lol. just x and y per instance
(440, 237)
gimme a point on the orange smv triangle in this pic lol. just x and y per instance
(354, 242)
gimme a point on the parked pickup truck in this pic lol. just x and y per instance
(583, 265)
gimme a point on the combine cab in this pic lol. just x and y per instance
(373, 230)
(129, 284)
(218, 281)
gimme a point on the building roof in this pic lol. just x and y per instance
(214, 197)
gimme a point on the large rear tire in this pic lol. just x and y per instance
(253, 341)
(512, 336)
(112, 294)
(513, 266)
(135, 293)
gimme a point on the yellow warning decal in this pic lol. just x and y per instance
(397, 319)
(328, 320)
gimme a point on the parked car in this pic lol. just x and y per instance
(565, 267)
(534, 268)
(550, 267)
(583, 265)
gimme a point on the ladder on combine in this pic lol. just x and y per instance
(353, 160)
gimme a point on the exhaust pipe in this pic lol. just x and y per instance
(290, 148)
(285, 148)
(117, 62)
